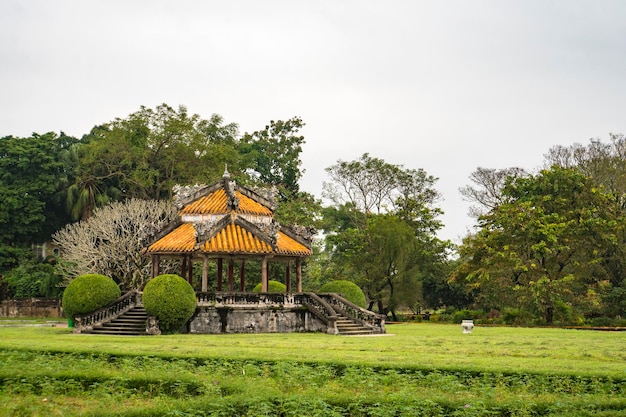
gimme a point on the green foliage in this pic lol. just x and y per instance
(32, 279)
(273, 286)
(274, 155)
(350, 291)
(30, 169)
(391, 376)
(87, 293)
(382, 231)
(543, 246)
(171, 299)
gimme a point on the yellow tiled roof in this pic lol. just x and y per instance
(235, 239)
(234, 234)
(216, 203)
(288, 246)
(180, 240)
(231, 239)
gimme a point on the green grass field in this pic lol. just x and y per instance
(415, 370)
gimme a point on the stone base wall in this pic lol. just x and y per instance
(213, 320)
(31, 307)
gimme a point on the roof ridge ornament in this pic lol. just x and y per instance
(229, 188)
(185, 193)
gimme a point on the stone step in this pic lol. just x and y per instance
(133, 322)
(119, 332)
(348, 327)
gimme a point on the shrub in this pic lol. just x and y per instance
(348, 289)
(170, 299)
(459, 316)
(273, 286)
(87, 293)
(33, 279)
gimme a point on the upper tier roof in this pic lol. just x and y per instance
(228, 219)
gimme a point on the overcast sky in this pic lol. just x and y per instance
(447, 86)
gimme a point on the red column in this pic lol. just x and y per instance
(156, 265)
(231, 274)
(288, 276)
(299, 275)
(205, 273)
(242, 276)
(264, 283)
(183, 268)
(190, 270)
(219, 274)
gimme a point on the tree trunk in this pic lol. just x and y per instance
(549, 315)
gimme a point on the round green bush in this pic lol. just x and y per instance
(348, 289)
(273, 286)
(87, 293)
(171, 300)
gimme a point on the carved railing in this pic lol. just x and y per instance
(318, 307)
(87, 322)
(354, 312)
(245, 299)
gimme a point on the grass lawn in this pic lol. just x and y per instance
(417, 369)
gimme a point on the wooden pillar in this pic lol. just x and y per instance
(299, 274)
(190, 270)
(231, 274)
(183, 268)
(264, 283)
(288, 276)
(156, 265)
(242, 276)
(205, 273)
(219, 274)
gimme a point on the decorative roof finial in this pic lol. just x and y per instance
(226, 174)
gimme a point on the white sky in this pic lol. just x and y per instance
(447, 86)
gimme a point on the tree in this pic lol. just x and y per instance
(29, 169)
(273, 155)
(111, 241)
(487, 190)
(382, 230)
(543, 245)
(605, 165)
(145, 154)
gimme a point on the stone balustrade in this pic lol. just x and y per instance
(349, 309)
(87, 322)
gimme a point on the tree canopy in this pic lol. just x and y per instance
(382, 228)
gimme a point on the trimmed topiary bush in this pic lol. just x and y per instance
(87, 293)
(349, 289)
(273, 286)
(170, 299)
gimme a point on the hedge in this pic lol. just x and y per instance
(171, 299)
(273, 286)
(88, 293)
(348, 289)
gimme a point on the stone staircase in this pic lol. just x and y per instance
(349, 327)
(131, 323)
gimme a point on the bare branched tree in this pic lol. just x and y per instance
(111, 242)
(487, 192)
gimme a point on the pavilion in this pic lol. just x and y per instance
(227, 223)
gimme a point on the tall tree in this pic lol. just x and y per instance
(543, 244)
(273, 155)
(382, 229)
(29, 171)
(145, 154)
(605, 164)
(486, 193)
